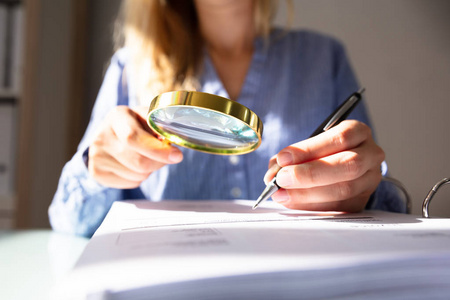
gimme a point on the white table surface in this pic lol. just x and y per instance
(33, 261)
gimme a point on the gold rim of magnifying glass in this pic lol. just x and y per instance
(211, 102)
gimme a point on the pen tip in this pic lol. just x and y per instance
(258, 201)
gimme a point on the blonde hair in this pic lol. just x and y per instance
(165, 43)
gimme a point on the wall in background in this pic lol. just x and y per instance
(400, 51)
(44, 107)
(11, 49)
(101, 15)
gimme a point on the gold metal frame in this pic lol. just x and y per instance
(210, 102)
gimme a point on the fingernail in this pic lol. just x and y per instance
(285, 158)
(175, 156)
(266, 178)
(281, 196)
(284, 178)
(270, 173)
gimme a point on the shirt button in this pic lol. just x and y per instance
(236, 192)
(234, 160)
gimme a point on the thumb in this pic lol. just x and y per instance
(142, 116)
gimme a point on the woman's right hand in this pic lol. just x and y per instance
(125, 152)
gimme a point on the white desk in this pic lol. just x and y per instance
(32, 261)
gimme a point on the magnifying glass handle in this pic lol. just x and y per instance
(164, 141)
(161, 138)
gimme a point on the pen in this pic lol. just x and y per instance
(340, 114)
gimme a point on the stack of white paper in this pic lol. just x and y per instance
(225, 250)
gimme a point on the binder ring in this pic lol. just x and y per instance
(401, 187)
(430, 196)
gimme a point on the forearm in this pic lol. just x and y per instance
(80, 203)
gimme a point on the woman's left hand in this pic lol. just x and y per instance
(336, 170)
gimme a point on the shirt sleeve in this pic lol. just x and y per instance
(80, 203)
(387, 196)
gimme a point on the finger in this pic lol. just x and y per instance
(101, 161)
(142, 113)
(129, 130)
(270, 174)
(351, 205)
(347, 135)
(360, 188)
(343, 166)
(110, 179)
(100, 164)
(107, 163)
(138, 163)
(133, 160)
(272, 161)
(272, 169)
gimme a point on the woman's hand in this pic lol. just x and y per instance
(125, 152)
(336, 170)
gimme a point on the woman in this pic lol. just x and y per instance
(292, 80)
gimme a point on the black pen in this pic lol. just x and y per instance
(340, 114)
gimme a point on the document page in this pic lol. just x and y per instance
(143, 244)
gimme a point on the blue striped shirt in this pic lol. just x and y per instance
(295, 80)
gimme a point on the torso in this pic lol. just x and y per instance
(291, 85)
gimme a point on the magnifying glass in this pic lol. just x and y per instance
(205, 122)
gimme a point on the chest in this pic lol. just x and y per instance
(232, 71)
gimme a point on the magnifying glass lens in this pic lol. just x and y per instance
(205, 122)
(203, 129)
